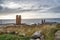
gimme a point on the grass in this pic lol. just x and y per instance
(13, 37)
(47, 30)
(50, 32)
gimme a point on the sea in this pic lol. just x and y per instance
(29, 21)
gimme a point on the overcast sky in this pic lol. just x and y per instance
(29, 9)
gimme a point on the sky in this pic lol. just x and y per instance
(29, 9)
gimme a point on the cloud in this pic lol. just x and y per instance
(1, 1)
(22, 6)
(23, 9)
(19, 10)
(1, 8)
(53, 10)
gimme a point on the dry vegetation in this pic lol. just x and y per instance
(27, 30)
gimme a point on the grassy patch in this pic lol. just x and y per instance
(13, 37)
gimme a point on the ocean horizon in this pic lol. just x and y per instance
(29, 21)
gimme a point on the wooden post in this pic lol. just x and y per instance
(18, 19)
(42, 21)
